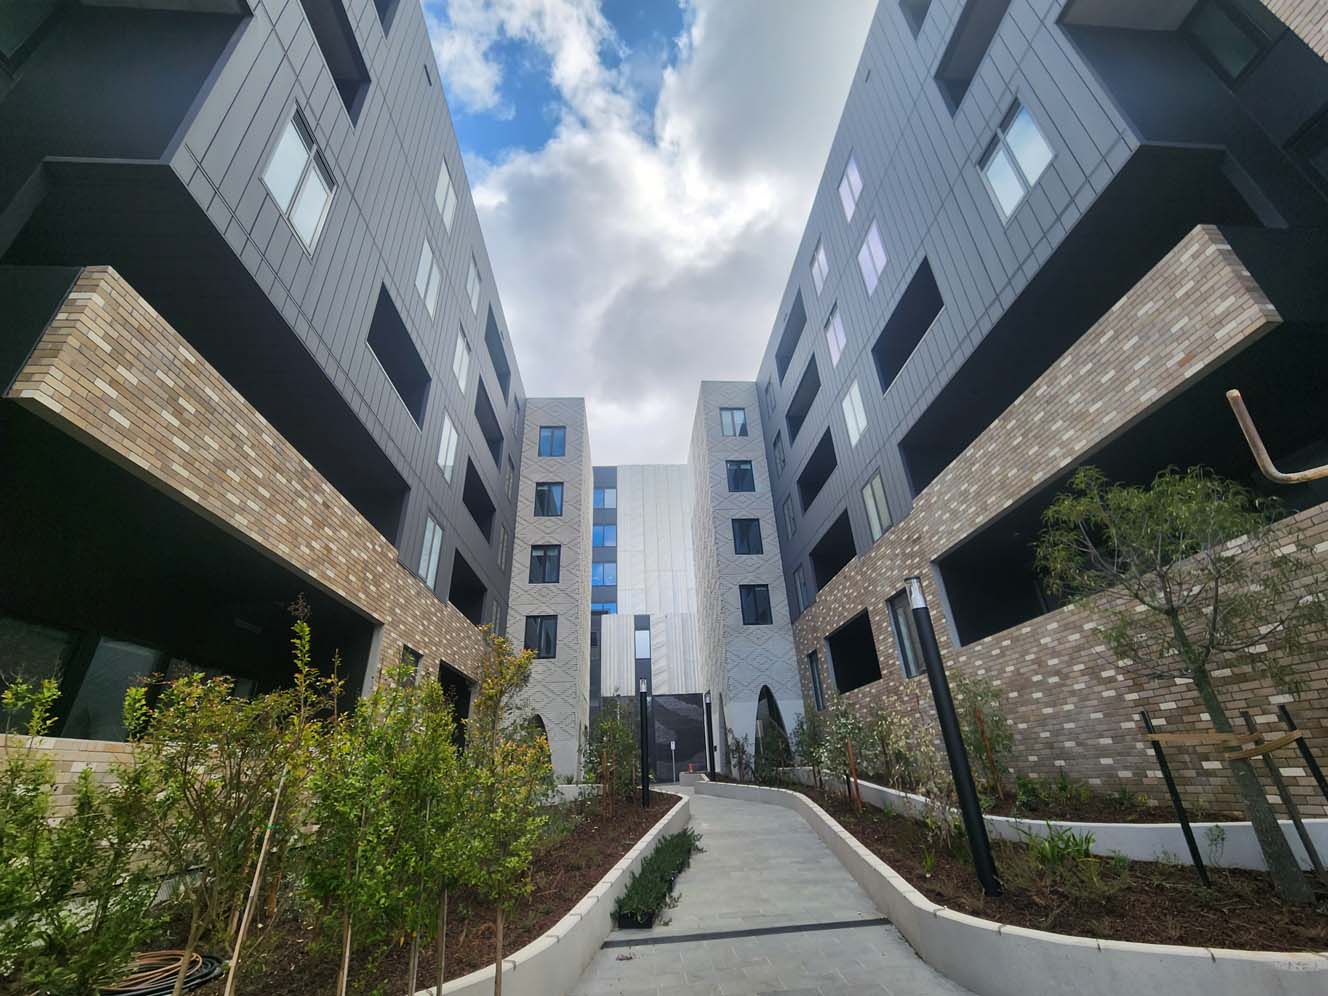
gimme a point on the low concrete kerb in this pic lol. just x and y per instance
(996, 959)
(551, 964)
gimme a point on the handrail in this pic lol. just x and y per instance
(1261, 454)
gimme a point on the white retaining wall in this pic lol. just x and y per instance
(995, 959)
(551, 964)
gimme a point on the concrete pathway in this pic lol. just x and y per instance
(791, 920)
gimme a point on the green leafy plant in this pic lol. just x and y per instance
(1058, 847)
(1188, 576)
(612, 755)
(650, 889)
(987, 731)
(740, 756)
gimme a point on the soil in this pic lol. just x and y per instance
(1103, 809)
(1110, 899)
(298, 961)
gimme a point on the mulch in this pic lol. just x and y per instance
(298, 960)
(1106, 899)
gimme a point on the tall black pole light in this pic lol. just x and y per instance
(975, 828)
(710, 737)
(645, 750)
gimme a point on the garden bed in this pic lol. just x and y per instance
(1102, 898)
(567, 867)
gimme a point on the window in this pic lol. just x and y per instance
(510, 483)
(878, 513)
(444, 196)
(395, 352)
(549, 498)
(428, 279)
(1014, 160)
(542, 636)
(461, 359)
(641, 644)
(299, 180)
(330, 24)
(855, 416)
(447, 447)
(800, 589)
(552, 440)
(604, 535)
(412, 657)
(604, 573)
(502, 548)
(820, 266)
(973, 33)
(747, 536)
(770, 396)
(1230, 34)
(814, 670)
(755, 600)
(781, 461)
(741, 476)
(473, 286)
(790, 517)
(834, 336)
(433, 545)
(733, 421)
(906, 635)
(872, 258)
(850, 188)
(915, 13)
(606, 497)
(603, 609)
(545, 565)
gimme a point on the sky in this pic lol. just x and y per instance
(643, 172)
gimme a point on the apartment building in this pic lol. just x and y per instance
(252, 349)
(1048, 234)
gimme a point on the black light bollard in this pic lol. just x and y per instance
(975, 828)
(710, 737)
(645, 750)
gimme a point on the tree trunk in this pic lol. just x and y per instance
(1291, 884)
(343, 974)
(442, 941)
(255, 888)
(195, 931)
(498, 955)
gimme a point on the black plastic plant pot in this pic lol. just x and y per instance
(636, 921)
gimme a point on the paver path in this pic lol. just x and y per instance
(763, 872)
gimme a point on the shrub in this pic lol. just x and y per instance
(650, 889)
(612, 758)
(987, 731)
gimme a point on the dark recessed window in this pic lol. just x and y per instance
(396, 354)
(906, 635)
(552, 440)
(968, 46)
(542, 636)
(549, 498)
(387, 10)
(747, 536)
(741, 476)
(604, 535)
(411, 657)
(755, 600)
(852, 650)
(1231, 34)
(818, 693)
(545, 563)
(604, 573)
(915, 13)
(733, 421)
(336, 40)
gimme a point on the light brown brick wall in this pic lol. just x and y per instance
(70, 757)
(1074, 708)
(1307, 18)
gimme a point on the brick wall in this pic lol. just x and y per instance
(1073, 707)
(1307, 18)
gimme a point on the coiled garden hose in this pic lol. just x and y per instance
(153, 974)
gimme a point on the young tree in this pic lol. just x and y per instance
(612, 756)
(1188, 577)
(987, 731)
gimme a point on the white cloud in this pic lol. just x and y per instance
(636, 257)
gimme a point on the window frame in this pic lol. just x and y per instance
(790, 517)
(999, 143)
(759, 545)
(877, 507)
(730, 465)
(836, 339)
(552, 489)
(852, 405)
(474, 283)
(855, 195)
(541, 624)
(814, 671)
(781, 457)
(605, 497)
(735, 419)
(820, 266)
(451, 451)
(430, 552)
(546, 554)
(748, 595)
(877, 267)
(461, 355)
(800, 589)
(600, 533)
(313, 159)
(446, 208)
(433, 279)
(557, 437)
(605, 566)
(905, 641)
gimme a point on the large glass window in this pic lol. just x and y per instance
(473, 286)
(733, 421)
(542, 636)
(549, 498)
(741, 476)
(604, 535)
(461, 359)
(906, 635)
(834, 335)
(545, 563)
(747, 536)
(604, 573)
(299, 180)
(97, 712)
(878, 513)
(641, 644)
(553, 440)
(850, 188)
(872, 258)
(855, 416)
(447, 447)
(755, 599)
(1015, 159)
(432, 546)
(820, 266)
(606, 498)
(444, 196)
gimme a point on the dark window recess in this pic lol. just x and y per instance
(820, 465)
(853, 657)
(747, 536)
(467, 591)
(21, 28)
(913, 316)
(740, 474)
(833, 551)
(789, 338)
(1231, 35)
(808, 387)
(906, 635)
(387, 10)
(490, 427)
(549, 498)
(456, 689)
(915, 13)
(411, 657)
(493, 341)
(814, 671)
(545, 563)
(972, 37)
(477, 501)
(542, 635)
(336, 40)
(1310, 149)
(397, 355)
(755, 599)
